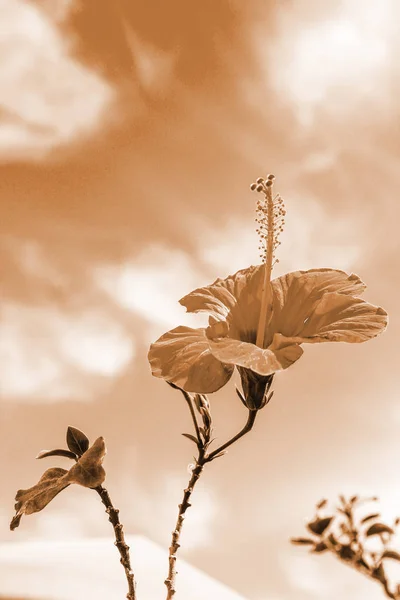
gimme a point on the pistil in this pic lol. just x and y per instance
(270, 218)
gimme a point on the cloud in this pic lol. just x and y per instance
(151, 285)
(47, 98)
(48, 354)
(334, 58)
(310, 239)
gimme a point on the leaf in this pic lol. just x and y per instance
(34, 499)
(88, 470)
(370, 517)
(391, 554)
(302, 541)
(332, 539)
(346, 552)
(191, 437)
(363, 564)
(321, 547)
(77, 441)
(378, 528)
(220, 454)
(319, 525)
(379, 573)
(239, 393)
(58, 452)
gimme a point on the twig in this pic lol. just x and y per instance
(175, 545)
(119, 540)
(202, 459)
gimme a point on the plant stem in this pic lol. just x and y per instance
(175, 545)
(188, 399)
(119, 540)
(249, 425)
(202, 459)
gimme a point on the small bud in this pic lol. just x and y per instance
(260, 180)
(259, 188)
(253, 186)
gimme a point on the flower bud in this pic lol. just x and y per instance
(255, 388)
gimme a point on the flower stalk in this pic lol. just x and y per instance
(203, 440)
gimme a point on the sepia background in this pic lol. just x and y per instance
(129, 135)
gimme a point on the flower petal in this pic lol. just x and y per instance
(280, 355)
(182, 356)
(296, 295)
(221, 297)
(34, 499)
(339, 318)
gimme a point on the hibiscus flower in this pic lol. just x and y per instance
(258, 325)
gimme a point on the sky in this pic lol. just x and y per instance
(129, 137)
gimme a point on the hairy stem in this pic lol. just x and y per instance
(119, 540)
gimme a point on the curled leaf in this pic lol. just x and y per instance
(88, 470)
(378, 528)
(57, 452)
(35, 498)
(77, 441)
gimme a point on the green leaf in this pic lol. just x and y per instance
(302, 541)
(370, 517)
(378, 528)
(319, 525)
(77, 441)
(57, 452)
(391, 554)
